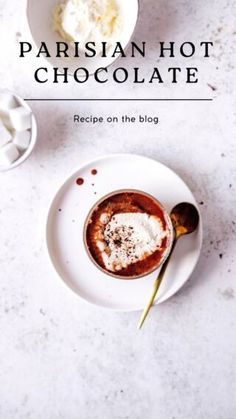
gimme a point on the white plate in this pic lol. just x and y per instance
(40, 20)
(66, 219)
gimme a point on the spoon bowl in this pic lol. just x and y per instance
(185, 218)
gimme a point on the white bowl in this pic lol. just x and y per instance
(40, 20)
(25, 154)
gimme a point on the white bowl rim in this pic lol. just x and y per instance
(33, 138)
(90, 72)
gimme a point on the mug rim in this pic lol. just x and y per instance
(167, 217)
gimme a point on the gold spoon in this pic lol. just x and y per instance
(185, 219)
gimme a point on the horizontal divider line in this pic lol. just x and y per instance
(121, 100)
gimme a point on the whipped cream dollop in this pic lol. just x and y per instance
(87, 20)
(129, 238)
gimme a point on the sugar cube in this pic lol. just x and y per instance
(6, 121)
(5, 135)
(20, 118)
(7, 101)
(8, 154)
(22, 139)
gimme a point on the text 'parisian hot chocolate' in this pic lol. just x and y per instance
(128, 234)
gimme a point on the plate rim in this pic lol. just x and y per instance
(47, 226)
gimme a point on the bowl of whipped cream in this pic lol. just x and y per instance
(82, 33)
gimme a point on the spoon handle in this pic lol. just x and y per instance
(156, 287)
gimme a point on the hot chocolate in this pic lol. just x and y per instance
(128, 234)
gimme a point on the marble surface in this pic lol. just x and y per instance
(63, 359)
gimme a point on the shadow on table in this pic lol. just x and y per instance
(55, 123)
